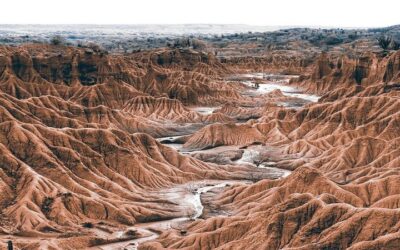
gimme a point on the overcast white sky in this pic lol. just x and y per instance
(343, 13)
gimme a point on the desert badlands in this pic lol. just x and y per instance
(281, 144)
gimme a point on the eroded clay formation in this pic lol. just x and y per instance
(177, 149)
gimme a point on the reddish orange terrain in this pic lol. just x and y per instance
(174, 149)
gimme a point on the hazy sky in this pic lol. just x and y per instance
(344, 13)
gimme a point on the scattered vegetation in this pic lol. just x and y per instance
(57, 40)
(196, 44)
(286, 39)
(88, 225)
(132, 233)
(388, 43)
(46, 205)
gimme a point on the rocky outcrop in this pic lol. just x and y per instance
(345, 139)
(68, 72)
(215, 135)
(331, 73)
(287, 62)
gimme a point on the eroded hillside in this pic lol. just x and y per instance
(176, 149)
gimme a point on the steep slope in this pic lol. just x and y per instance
(346, 139)
(223, 134)
(343, 192)
(303, 211)
(73, 149)
(77, 156)
(168, 109)
(87, 173)
(95, 78)
(332, 72)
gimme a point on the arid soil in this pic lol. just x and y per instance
(176, 149)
